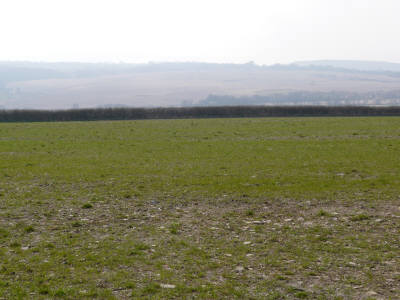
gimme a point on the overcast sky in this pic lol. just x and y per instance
(265, 31)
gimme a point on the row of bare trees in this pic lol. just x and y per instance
(307, 98)
(192, 112)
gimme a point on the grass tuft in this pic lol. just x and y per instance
(360, 217)
(87, 206)
(29, 229)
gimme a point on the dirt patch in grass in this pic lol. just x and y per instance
(205, 248)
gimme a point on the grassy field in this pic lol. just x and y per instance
(279, 208)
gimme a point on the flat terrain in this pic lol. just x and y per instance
(276, 208)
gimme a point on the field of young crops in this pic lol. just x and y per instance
(269, 208)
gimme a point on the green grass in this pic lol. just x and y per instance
(295, 208)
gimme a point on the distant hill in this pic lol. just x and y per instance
(43, 85)
(353, 65)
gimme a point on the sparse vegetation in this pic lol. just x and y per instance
(87, 206)
(278, 208)
(360, 217)
(323, 213)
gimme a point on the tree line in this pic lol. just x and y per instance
(192, 112)
(307, 98)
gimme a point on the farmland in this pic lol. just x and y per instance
(27, 85)
(269, 208)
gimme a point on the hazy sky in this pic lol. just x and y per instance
(265, 31)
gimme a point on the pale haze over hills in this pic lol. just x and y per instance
(354, 64)
(73, 85)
